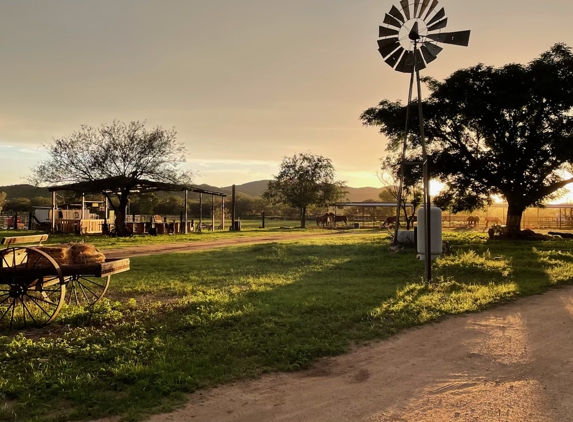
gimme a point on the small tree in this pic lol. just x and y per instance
(2, 200)
(389, 175)
(123, 153)
(305, 180)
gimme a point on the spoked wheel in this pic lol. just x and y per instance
(32, 288)
(85, 290)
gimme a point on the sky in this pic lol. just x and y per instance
(245, 84)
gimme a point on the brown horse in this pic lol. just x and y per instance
(338, 218)
(391, 221)
(494, 220)
(472, 220)
(323, 220)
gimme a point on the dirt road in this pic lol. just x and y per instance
(143, 250)
(512, 363)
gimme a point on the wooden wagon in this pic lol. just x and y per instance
(34, 287)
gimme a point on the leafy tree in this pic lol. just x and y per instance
(2, 200)
(172, 205)
(124, 153)
(305, 180)
(144, 204)
(18, 205)
(411, 192)
(41, 201)
(504, 131)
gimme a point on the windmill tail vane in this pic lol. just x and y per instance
(411, 33)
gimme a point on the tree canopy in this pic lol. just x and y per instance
(127, 151)
(305, 180)
(492, 131)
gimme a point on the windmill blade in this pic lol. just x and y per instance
(395, 13)
(428, 56)
(406, 64)
(441, 24)
(438, 16)
(433, 49)
(419, 60)
(457, 38)
(425, 4)
(431, 9)
(386, 32)
(416, 5)
(394, 57)
(388, 45)
(406, 8)
(389, 20)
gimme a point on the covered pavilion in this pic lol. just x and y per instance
(113, 185)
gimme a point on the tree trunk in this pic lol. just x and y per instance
(120, 228)
(513, 220)
(303, 218)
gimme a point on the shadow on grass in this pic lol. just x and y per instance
(236, 313)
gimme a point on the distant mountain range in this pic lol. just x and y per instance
(251, 188)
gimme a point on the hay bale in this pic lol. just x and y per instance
(59, 253)
(86, 253)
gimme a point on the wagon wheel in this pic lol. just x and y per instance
(32, 287)
(85, 290)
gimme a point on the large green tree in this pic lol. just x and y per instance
(305, 180)
(493, 131)
(123, 153)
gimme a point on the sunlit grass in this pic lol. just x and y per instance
(176, 323)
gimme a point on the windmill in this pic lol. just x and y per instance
(409, 42)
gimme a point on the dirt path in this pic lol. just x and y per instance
(128, 252)
(513, 363)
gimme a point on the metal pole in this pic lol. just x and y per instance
(401, 187)
(426, 169)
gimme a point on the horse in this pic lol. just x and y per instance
(338, 218)
(323, 220)
(472, 220)
(389, 222)
(494, 220)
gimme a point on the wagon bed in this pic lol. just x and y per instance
(34, 286)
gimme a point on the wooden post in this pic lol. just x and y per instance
(233, 209)
(263, 214)
(201, 211)
(212, 212)
(54, 206)
(222, 213)
(186, 210)
(83, 206)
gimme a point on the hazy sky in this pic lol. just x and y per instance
(245, 83)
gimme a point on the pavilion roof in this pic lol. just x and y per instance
(115, 184)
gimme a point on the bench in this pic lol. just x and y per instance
(20, 240)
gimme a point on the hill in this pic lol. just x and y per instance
(255, 188)
(258, 187)
(24, 191)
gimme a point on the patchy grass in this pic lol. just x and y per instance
(176, 323)
(108, 242)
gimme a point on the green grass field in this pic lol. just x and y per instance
(176, 323)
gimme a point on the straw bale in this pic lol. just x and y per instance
(59, 253)
(86, 253)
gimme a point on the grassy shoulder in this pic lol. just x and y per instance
(176, 323)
